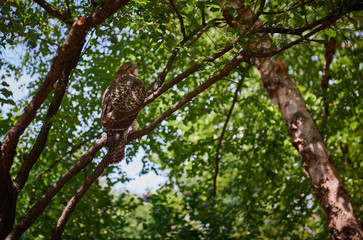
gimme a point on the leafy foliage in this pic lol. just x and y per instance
(262, 191)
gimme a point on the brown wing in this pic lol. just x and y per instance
(122, 102)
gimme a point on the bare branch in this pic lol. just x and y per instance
(224, 72)
(305, 37)
(188, 72)
(68, 8)
(70, 46)
(257, 15)
(294, 6)
(52, 190)
(182, 28)
(299, 31)
(63, 16)
(330, 46)
(218, 157)
(161, 77)
(58, 231)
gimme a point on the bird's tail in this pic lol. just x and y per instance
(116, 142)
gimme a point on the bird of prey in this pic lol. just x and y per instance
(121, 103)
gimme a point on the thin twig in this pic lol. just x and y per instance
(330, 46)
(298, 31)
(63, 16)
(182, 28)
(68, 8)
(294, 6)
(161, 77)
(188, 72)
(273, 53)
(218, 157)
(257, 15)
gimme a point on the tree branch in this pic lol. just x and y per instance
(335, 15)
(161, 77)
(59, 229)
(224, 72)
(216, 170)
(70, 46)
(182, 28)
(294, 6)
(39, 145)
(257, 15)
(73, 150)
(273, 53)
(330, 46)
(188, 72)
(53, 189)
(63, 16)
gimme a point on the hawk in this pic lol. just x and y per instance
(121, 103)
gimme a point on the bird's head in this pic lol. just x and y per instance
(128, 68)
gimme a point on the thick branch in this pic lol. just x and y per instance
(58, 231)
(70, 46)
(224, 72)
(218, 157)
(52, 190)
(63, 16)
(39, 145)
(70, 152)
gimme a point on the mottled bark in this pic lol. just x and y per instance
(325, 181)
(8, 197)
(305, 137)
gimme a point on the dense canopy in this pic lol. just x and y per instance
(253, 114)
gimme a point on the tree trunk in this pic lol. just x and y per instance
(325, 181)
(8, 197)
